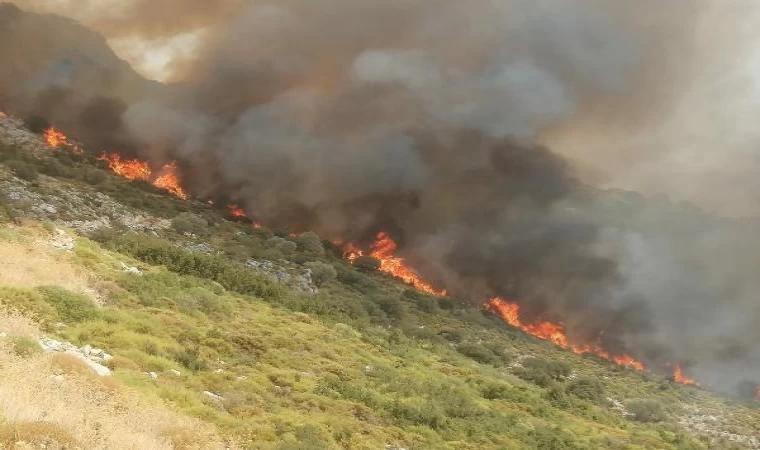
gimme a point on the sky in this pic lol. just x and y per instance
(710, 131)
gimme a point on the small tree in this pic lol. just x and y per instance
(190, 223)
(321, 273)
(587, 389)
(286, 247)
(367, 264)
(645, 410)
(310, 244)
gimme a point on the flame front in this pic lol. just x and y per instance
(54, 138)
(384, 249)
(236, 211)
(131, 169)
(137, 170)
(168, 180)
(680, 377)
(555, 333)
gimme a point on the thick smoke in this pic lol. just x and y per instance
(426, 120)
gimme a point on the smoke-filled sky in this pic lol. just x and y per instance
(709, 70)
(472, 132)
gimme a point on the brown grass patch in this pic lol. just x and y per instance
(29, 266)
(46, 435)
(83, 410)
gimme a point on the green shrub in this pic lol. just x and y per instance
(29, 303)
(54, 168)
(479, 353)
(367, 264)
(645, 410)
(391, 306)
(71, 307)
(284, 246)
(190, 223)
(587, 389)
(230, 275)
(94, 176)
(310, 244)
(23, 170)
(542, 372)
(321, 273)
(24, 346)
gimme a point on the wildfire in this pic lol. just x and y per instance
(137, 170)
(236, 211)
(680, 377)
(384, 249)
(168, 180)
(131, 169)
(555, 333)
(54, 138)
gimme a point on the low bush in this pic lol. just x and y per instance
(190, 223)
(645, 410)
(587, 389)
(23, 170)
(70, 307)
(321, 273)
(24, 346)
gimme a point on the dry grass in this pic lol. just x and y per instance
(29, 266)
(26, 435)
(57, 402)
(96, 413)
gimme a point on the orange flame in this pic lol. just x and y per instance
(168, 180)
(54, 138)
(384, 249)
(680, 377)
(236, 211)
(131, 169)
(137, 170)
(555, 333)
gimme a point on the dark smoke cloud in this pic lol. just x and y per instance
(353, 117)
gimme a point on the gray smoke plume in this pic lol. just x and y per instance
(429, 120)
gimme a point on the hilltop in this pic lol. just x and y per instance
(221, 334)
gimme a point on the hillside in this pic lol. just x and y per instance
(220, 333)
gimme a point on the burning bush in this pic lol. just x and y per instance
(367, 264)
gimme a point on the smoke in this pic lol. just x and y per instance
(435, 123)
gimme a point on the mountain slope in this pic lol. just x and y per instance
(221, 321)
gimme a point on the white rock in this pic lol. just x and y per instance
(96, 352)
(100, 369)
(213, 396)
(106, 357)
(131, 270)
(176, 373)
(241, 378)
(3, 335)
(153, 375)
(219, 371)
(86, 350)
